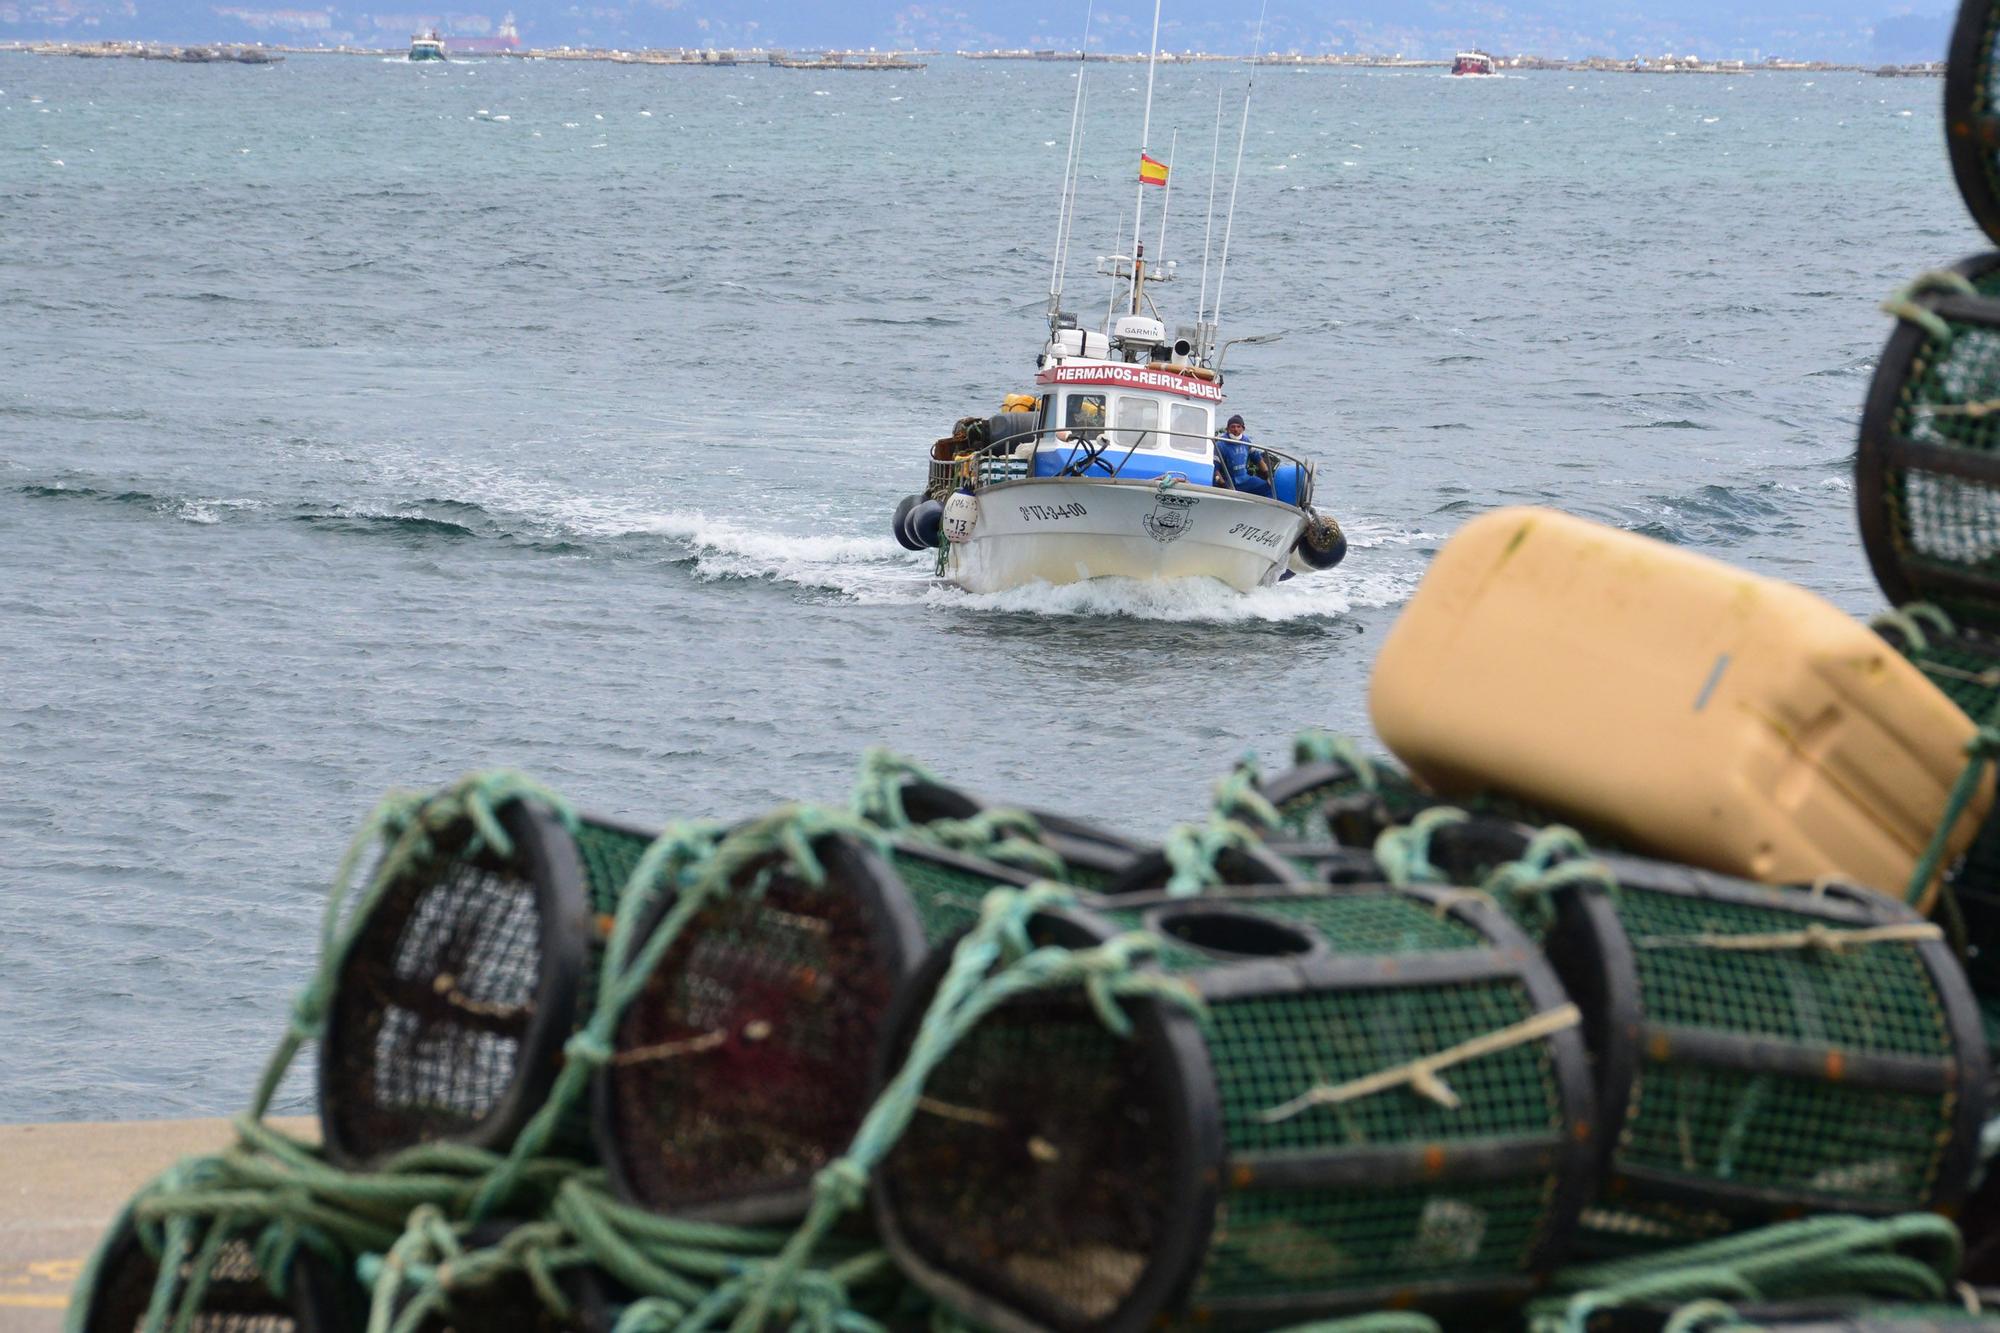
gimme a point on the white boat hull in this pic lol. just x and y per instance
(1059, 531)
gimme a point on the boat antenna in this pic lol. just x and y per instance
(1229, 222)
(1069, 225)
(1111, 305)
(1167, 198)
(1208, 230)
(1145, 133)
(1069, 168)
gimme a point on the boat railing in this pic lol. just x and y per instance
(1102, 450)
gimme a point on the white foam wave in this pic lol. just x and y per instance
(1182, 600)
(205, 511)
(724, 539)
(1373, 534)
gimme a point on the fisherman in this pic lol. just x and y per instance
(1238, 465)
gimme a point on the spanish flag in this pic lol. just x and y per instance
(1151, 172)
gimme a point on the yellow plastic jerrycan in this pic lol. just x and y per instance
(1694, 711)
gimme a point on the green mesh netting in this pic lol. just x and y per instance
(1877, 1000)
(1307, 1241)
(610, 854)
(1820, 1132)
(1348, 811)
(1039, 1169)
(1810, 1138)
(319, 1298)
(1347, 922)
(744, 1064)
(436, 1029)
(1931, 534)
(1267, 1051)
(946, 894)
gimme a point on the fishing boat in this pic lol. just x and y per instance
(1473, 62)
(1109, 464)
(427, 46)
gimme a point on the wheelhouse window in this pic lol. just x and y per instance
(1083, 416)
(1138, 423)
(1191, 429)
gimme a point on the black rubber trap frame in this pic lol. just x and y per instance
(1927, 472)
(1972, 111)
(319, 1296)
(1091, 855)
(451, 1008)
(743, 1066)
(1060, 1177)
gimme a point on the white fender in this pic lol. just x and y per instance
(961, 512)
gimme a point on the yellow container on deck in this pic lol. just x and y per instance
(1695, 711)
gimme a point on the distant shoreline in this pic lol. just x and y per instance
(257, 53)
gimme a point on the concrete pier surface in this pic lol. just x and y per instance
(60, 1186)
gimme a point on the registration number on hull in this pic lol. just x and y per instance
(1257, 536)
(1052, 513)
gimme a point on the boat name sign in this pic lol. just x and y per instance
(1138, 377)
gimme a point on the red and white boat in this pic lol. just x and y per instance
(1474, 62)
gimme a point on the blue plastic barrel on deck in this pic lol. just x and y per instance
(1285, 482)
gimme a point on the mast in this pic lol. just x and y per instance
(1069, 167)
(1207, 230)
(1168, 198)
(1111, 306)
(1145, 133)
(1229, 222)
(1069, 225)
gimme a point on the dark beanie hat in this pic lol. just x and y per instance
(1236, 420)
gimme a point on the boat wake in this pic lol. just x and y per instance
(875, 571)
(1322, 597)
(867, 570)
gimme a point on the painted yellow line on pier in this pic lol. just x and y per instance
(60, 1186)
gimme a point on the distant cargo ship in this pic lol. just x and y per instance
(1473, 62)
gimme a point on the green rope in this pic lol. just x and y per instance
(878, 788)
(1009, 837)
(1910, 1257)
(676, 1263)
(1238, 797)
(1527, 886)
(1903, 302)
(979, 980)
(1385, 1321)
(665, 864)
(1006, 836)
(1915, 623)
(1324, 747)
(274, 1193)
(693, 1276)
(1193, 849)
(1980, 751)
(1404, 852)
(1697, 1316)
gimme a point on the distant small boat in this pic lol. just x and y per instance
(1473, 62)
(427, 46)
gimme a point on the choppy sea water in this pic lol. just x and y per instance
(363, 423)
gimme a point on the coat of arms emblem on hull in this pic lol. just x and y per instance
(1172, 515)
